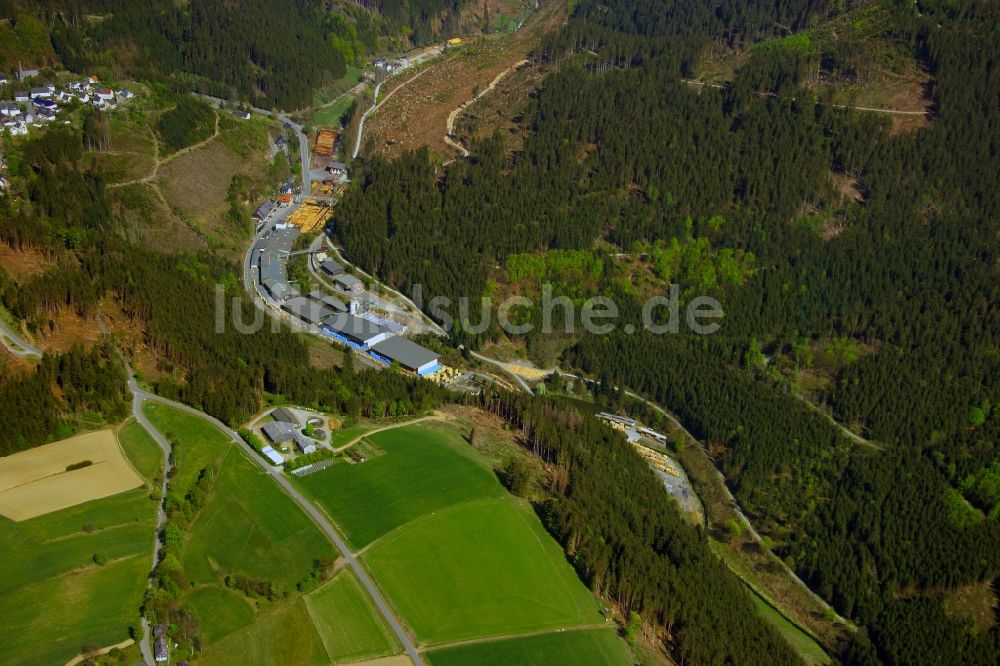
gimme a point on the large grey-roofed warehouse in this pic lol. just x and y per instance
(408, 354)
(329, 301)
(280, 290)
(348, 282)
(331, 267)
(307, 310)
(270, 268)
(360, 331)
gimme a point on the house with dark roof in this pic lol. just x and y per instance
(263, 210)
(161, 649)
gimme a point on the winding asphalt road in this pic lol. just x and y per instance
(16, 344)
(140, 396)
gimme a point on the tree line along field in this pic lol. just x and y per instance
(54, 597)
(248, 526)
(458, 558)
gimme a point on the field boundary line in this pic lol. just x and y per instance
(596, 626)
(312, 618)
(420, 520)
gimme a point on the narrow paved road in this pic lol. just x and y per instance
(161, 515)
(16, 344)
(321, 520)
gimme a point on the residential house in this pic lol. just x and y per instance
(10, 109)
(22, 96)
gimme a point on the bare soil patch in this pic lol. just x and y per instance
(23, 264)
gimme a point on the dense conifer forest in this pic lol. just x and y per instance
(271, 53)
(621, 151)
(728, 192)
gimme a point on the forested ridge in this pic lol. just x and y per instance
(271, 53)
(621, 152)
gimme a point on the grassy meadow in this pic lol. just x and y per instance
(54, 598)
(597, 647)
(479, 569)
(423, 468)
(348, 622)
(457, 557)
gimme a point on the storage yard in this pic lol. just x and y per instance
(311, 215)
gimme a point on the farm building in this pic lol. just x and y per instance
(408, 355)
(285, 415)
(348, 283)
(325, 139)
(329, 301)
(272, 455)
(354, 331)
(279, 432)
(307, 310)
(331, 267)
(263, 210)
(336, 168)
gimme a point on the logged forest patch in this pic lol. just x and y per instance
(417, 114)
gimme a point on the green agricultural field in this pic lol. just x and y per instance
(479, 569)
(219, 612)
(53, 598)
(50, 620)
(140, 447)
(284, 636)
(423, 469)
(250, 526)
(348, 621)
(200, 443)
(600, 647)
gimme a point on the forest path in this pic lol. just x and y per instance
(450, 125)
(869, 109)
